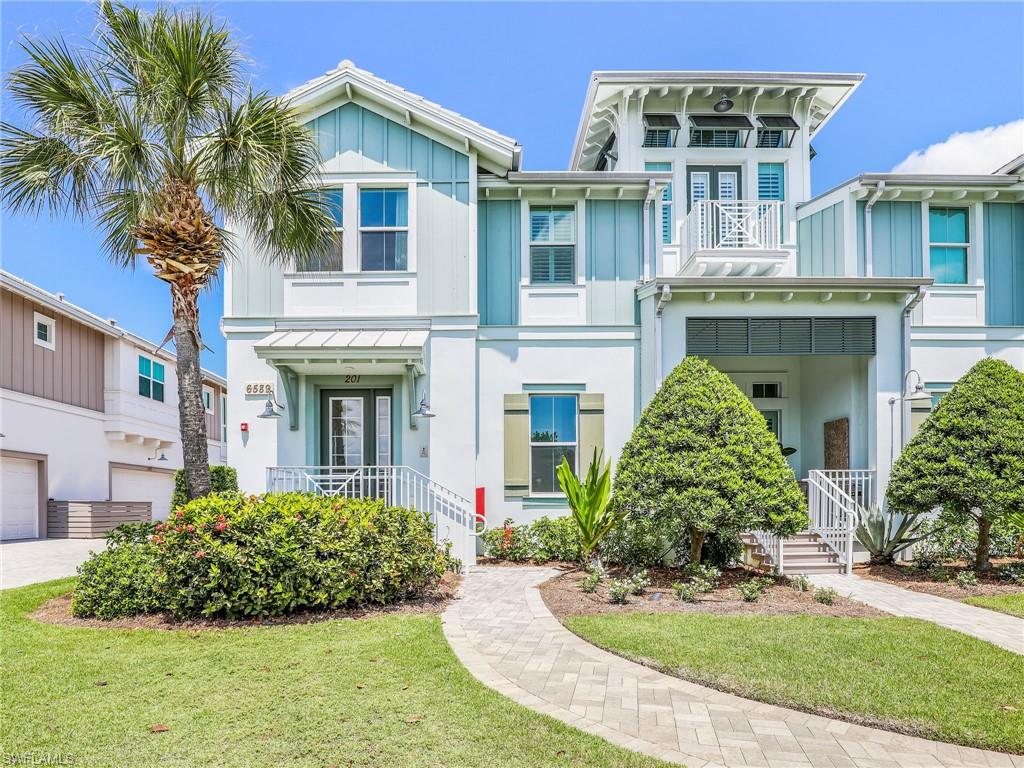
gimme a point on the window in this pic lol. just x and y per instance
(384, 229)
(208, 399)
(553, 244)
(658, 137)
(666, 201)
(383, 430)
(765, 389)
(552, 436)
(949, 238)
(223, 417)
(151, 379)
(334, 201)
(772, 417)
(775, 131)
(44, 332)
(719, 130)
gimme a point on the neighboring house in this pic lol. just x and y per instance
(88, 411)
(535, 313)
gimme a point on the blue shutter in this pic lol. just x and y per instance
(771, 183)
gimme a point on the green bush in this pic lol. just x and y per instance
(968, 456)
(131, 533)
(1013, 573)
(751, 591)
(509, 542)
(222, 479)
(643, 541)
(938, 573)
(950, 539)
(119, 581)
(701, 459)
(639, 581)
(590, 582)
(826, 596)
(800, 582)
(619, 591)
(685, 593)
(966, 579)
(543, 540)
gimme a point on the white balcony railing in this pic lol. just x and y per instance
(835, 499)
(735, 224)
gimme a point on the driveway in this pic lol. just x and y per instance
(29, 562)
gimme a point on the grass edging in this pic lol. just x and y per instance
(1012, 604)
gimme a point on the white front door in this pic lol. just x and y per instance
(19, 499)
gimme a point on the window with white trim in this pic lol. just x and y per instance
(151, 379)
(44, 331)
(384, 229)
(773, 418)
(334, 203)
(553, 436)
(552, 244)
(208, 399)
(765, 389)
(666, 200)
(949, 238)
(223, 417)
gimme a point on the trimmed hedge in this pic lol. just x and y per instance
(222, 479)
(229, 555)
(541, 541)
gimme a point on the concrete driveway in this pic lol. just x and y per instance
(35, 560)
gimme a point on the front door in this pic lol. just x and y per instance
(712, 182)
(355, 435)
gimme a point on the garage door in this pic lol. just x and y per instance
(139, 485)
(19, 499)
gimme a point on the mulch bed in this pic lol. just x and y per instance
(564, 598)
(909, 577)
(58, 611)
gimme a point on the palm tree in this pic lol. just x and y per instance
(153, 133)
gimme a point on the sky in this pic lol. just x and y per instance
(944, 91)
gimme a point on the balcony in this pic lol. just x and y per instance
(734, 238)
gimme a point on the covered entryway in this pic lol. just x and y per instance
(19, 498)
(129, 483)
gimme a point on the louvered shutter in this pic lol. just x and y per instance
(844, 336)
(591, 429)
(781, 336)
(716, 337)
(771, 184)
(517, 444)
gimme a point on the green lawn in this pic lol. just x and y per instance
(933, 681)
(334, 693)
(1011, 604)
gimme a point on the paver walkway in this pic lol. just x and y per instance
(504, 634)
(999, 628)
(35, 560)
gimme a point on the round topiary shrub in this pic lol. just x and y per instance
(702, 460)
(119, 581)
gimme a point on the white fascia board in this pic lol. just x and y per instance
(582, 333)
(876, 286)
(826, 199)
(49, 300)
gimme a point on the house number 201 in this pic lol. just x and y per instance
(352, 379)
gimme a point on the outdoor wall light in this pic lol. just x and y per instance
(724, 104)
(424, 409)
(270, 410)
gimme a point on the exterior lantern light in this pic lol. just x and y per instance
(424, 409)
(270, 410)
(724, 104)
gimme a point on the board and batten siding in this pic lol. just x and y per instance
(896, 250)
(213, 420)
(820, 244)
(499, 252)
(614, 260)
(71, 373)
(1004, 263)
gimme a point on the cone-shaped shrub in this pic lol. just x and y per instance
(968, 456)
(702, 459)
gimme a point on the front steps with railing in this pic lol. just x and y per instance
(803, 553)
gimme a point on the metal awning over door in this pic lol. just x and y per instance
(393, 345)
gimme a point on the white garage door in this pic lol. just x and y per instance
(139, 485)
(19, 499)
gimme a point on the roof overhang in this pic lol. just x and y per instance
(347, 82)
(945, 187)
(1014, 166)
(576, 183)
(403, 346)
(821, 93)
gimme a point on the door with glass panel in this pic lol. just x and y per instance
(356, 441)
(716, 183)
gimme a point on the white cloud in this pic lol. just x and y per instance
(980, 151)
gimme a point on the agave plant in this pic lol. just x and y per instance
(588, 501)
(885, 534)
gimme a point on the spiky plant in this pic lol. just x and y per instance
(885, 534)
(153, 133)
(588, 501)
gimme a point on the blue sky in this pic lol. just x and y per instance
(522, 69)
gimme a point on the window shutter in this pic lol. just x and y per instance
(771, 181)
(517, 445)
(591, 429)
(781, 336)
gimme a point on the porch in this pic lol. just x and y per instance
(733, 238)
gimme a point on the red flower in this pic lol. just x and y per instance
(298, 515)
(159, 526)
(190, 528)
(200, 554)
(219, 527)
(180, 513)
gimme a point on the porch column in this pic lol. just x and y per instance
(885, 377)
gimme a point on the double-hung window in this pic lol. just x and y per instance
(223, 417)
(151, 379)
(949, 241)
(553, 244)
(553, 435)
(666, 200)
(384, 230)
(208, 399)
(333, 203)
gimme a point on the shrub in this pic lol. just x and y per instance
(938, 573)
(702, 459)
(222, 479)
(598, 570)
(638, 541)
(231, 555)
(751, 591)
(684, 592)
(119, 581)
(885, 534)
(639, 581)
(700, 584)
(589, 583)
(619, 590)
(131, 533)
(966, 579)
(510, 542)
(826, 596)
(951, 538)
(800, 582)
(1013, 573)
(703, 571)
(968, 456)
(555, 538)
(588, 501)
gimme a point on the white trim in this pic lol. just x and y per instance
(208, 391)
(50, 323)
(562, 444)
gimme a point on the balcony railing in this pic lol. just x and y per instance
(735, 224)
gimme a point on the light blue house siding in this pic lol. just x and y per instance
(614, 260)
(896, 249)
(820, 242)
(1004, 263)
(499, 252)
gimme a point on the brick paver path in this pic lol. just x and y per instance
(505, 635)
(999, 628)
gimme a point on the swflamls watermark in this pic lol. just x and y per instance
(37, 758)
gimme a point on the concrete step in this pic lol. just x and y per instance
(795, 568)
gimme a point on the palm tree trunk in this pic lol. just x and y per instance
(981, 561)
(191, 412)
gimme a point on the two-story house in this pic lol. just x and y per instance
(88, 413)
(476, 322)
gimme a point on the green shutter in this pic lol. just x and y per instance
(517, 445)
(591, 429)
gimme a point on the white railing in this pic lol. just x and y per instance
(451, 513)
(771, 544)
(834, 512)
(753, 224)
(859, 484)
